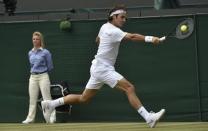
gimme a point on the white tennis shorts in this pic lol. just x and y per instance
(102, 74)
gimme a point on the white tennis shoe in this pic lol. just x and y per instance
(53, 117)
(47, 110)
(27, 121)
(155, 117)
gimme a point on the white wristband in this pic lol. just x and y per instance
(148, 39)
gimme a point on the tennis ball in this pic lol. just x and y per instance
(184, 28)
(65, 25)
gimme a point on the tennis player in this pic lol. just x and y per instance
(102, 70)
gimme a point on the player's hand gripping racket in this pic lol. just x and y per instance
(182, 30)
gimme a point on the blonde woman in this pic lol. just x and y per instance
(40, 63)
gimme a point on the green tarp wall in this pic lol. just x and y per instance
(173, 75)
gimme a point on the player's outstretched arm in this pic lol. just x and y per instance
(138, 37)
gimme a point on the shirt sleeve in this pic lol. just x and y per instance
(49, 61)
(119, 35)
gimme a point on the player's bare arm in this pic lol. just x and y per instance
(138, 37)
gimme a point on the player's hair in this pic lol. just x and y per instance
(37, 33)
(117, 7)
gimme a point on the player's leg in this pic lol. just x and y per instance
(85, 97)
(129, 89)
(91, 89)
(49, 105)
(114, 79)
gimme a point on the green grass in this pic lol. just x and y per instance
(162, 126)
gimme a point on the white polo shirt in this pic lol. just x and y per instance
(110, 38)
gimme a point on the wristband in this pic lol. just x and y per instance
(148, 39)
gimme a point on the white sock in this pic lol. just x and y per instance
(57, 102)
(143, 112)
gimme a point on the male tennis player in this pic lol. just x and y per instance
(103, 72)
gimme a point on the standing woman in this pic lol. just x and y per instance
(40, 63)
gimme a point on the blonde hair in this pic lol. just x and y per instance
(37, 33)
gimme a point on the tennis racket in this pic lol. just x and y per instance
(178, 31)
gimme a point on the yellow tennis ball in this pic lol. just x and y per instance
(184, 28)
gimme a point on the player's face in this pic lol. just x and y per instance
(36, 41)
(120, 19)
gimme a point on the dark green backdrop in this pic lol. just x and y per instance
(173, 75)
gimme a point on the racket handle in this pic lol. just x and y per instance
(162, 38)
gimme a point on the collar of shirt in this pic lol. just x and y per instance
(36, 49)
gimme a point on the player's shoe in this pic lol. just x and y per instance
(27, 121)
(155, 117)
(53, 117)
(47, 110)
